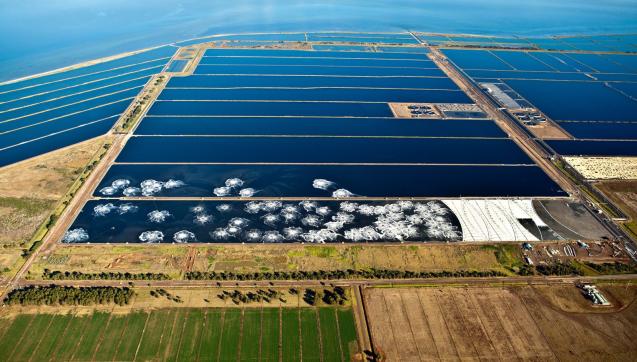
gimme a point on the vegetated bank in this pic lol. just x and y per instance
(61, 295)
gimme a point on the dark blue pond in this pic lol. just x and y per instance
(503, 74)
(628, 88)
(205, 81)
(521, 61)
(370, 181)
(577, 101)
(124, 82)
(163, 53)
(333, 62)
(601, 130)
(320, 94)
(222, 108)
(594, 148)
(475, 59)
(317, 70)
(117, 75)
(600, 63)
(321, 150)
(30, 133)
(317, 126)
(135, 222)
(306, 53)
(561, 62)
(54, 142)
(116, 100)
(122, 90)
(623, 77)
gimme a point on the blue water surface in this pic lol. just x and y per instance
(317, 126)
(321, 150)
(371, 181)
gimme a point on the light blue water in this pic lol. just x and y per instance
(40, 35)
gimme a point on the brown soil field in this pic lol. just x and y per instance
(549, 131)
(512, 323)
(29, 191)
(177, 259)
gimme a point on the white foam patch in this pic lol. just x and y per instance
(238, 221)
(270, 219)
(151, 187)
(75, 236)
(120, 183)
(308, 205)
(253, 207)
(222, 191)
(292, 233)
(184, 236)
(271, 206)
(367, 233)
(126, 209)
(320, 236)
(342, 193)
(272, 236)
(311, 220)
(108, 190)
(322, 184)
(323, 211)
(224, 207)
(198, 209)
(103, 209)
(234, 182)
(203, 219)
(173, 184)
(247, 192)
(348, 206)
(220, 234)
(253, 235)
(131, 191)
(151, 236)
(158, 216)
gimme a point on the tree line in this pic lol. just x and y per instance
(339, 274)
(76, 275)
(62, 295)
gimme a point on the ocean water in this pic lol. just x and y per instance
(40, 35)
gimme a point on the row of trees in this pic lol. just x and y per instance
(334, 296)
(75, 275)
(260, 295)
(613, 268)
(339, 274)
(558, 269)
(59, 295)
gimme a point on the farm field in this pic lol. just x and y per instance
(211, 334)
(540, 323)
(174, 260)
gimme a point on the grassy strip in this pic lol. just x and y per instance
(50, 221)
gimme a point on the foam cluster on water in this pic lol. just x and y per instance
(149, 187)
(151, 236)
(105, 209)
(184, 236)
(233, 187)
(158, 216)
(75, 236)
